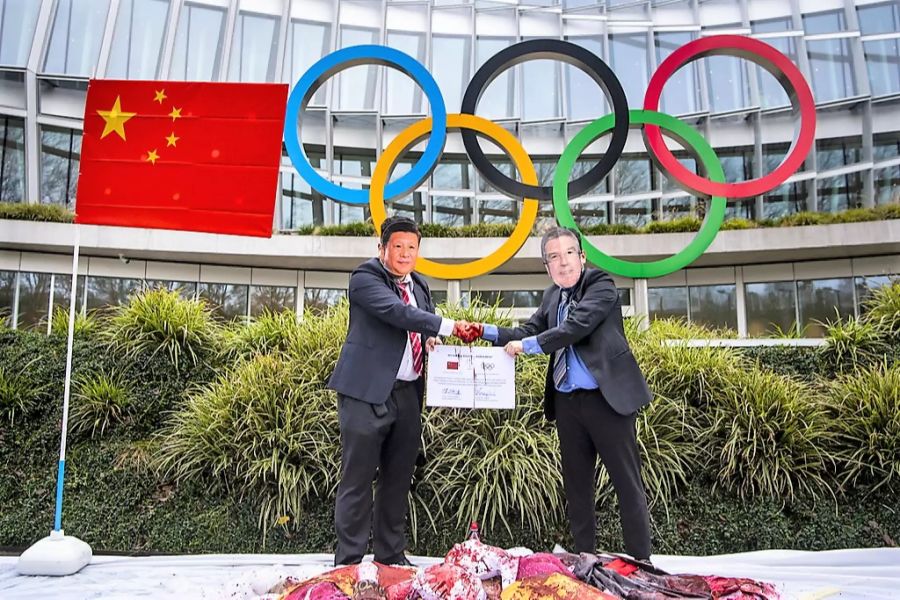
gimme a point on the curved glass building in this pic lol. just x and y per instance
(751, 280)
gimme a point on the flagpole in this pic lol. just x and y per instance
(59, 554)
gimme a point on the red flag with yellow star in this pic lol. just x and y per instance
(181, 155)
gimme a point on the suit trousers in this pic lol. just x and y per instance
(588, 427)
(378, 443)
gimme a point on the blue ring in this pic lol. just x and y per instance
(343, 59)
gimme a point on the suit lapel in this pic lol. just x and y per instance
(554, 306)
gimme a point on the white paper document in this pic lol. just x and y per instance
(471, 377)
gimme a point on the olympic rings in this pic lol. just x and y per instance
(409, 137)
(562, 190)
(344, 59)
(575, 55)
(771, 60)
(693, 141)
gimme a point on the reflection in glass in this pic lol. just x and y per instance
(585, 99)
(831, 67)
(451, 210)
(546, 104)
(60, 156)
(839, 192)
(451, 66)
(879, 18)
(356, 85)
(106, 292)
(714, 305)
(883, 64)
(771, 93)
(228, 301)
(498, 211)
(453, 174)
(886, 145)
(318, 300)
(403, 95)
(185, 289)
(17, 21)
(12, 159)
(498, 100)
(681, 94)
(667, 302)
(308, 42)
(633, 176)
(273, 298)
(138, 38)
(34, 298)
(76, 54)
(834, 153)
(253, 48)
(728, 85)
(198, 43)
(625, 296)
(300, 204)
(832, 21)
(588, 213)
(634, 212)
(62, 292)
(508, 298)
(866, 285)
(628, 54)
(7, 296)
(786, 199)
(675, 208)
(771, 307)
(887, 185)
(822, 301)
(410, 205)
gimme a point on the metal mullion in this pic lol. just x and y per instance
(165, 61)
(227, 41)
(106, 42)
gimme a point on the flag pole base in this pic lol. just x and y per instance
(57, 554)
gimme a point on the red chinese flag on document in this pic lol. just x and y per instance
(181, 155)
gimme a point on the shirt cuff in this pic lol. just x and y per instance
(530, 345)
(446, 326)
(491, 333)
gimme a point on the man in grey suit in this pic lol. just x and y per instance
(378, 378)
(594, 388)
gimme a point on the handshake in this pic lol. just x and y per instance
(468, 332)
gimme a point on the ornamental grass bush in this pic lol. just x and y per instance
(99, 402)
(268, 333)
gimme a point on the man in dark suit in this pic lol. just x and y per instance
(378, 378)
(594, 388)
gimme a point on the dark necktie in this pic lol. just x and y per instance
(559, 358)
(415, 340)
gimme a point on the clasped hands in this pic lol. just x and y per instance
(467, 331)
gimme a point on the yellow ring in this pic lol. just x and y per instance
(516, 152)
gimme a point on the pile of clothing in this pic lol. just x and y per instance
(476, 571)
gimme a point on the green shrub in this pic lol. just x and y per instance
(35, 212)
(738, 223)
(679, 225)
(866, 413)
(99, 402)
(86, 325)
(769, 437)
(883, 307)
(270, 332)
(19, 397)
(855, 343)
(263, 430)
(161, 321)
(315, 349)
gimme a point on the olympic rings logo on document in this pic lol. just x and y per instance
(654, 124)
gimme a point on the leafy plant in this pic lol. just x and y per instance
(100, 401)
(19, 396)
(85, 324)
(270, 332)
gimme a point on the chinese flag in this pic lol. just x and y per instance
(181, 155)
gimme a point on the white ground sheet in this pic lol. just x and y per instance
(844, 574)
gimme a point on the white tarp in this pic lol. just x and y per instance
(844, 574)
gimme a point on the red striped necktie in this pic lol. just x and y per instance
(415, 340)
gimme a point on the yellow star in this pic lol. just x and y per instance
(115, 119)
(172, 139)
(176, 113)
(160, 96)
(152, 156)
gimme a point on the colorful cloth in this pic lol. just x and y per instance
(484, 561)
(554, 586)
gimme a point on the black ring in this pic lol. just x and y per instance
(566, 52)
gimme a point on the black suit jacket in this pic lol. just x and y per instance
(377, 334)
(594, 327)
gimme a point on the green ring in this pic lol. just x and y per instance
(691, 139)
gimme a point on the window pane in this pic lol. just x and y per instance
(771, 93)
(824, 300)
(228, 301)
(62, 292)
(839, 192)
(404, 96)
(545, 105)
(625, 296)
(868, 284)
(12, 160)
(357, 84)
(76, 35)
(681, 94)
(786, 199)
(824, 22)
(450, 60)
(879, 18)
(103, 292)
(320, 299)
(272, 297)
(727, 81)
(837, 152)
(137, 42)
(453, 174)
(886, 145)
(7, 296)
(451, 210)
(667, 302)
(498, 211)
(498, 100)
(509, 298)
(831, 65)
(410, 205)
(586, 99)
(60, 155)
(185, 289)
(887, 185)
(590, 213)
(633, 176)
(300, 204)
(34, 298)
(636, 212)
(628, 54)
(17, 21)
(883, 63)
(198, 43)
(308, 42)
(714, 305)
(253, 48)
(770, 307)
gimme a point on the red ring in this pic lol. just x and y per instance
(770, 59)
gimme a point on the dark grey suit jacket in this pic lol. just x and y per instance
(376, 337)
(594, 327)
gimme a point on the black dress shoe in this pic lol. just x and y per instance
(347, 563)
(402, 561)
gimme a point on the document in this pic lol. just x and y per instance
(470, 377)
